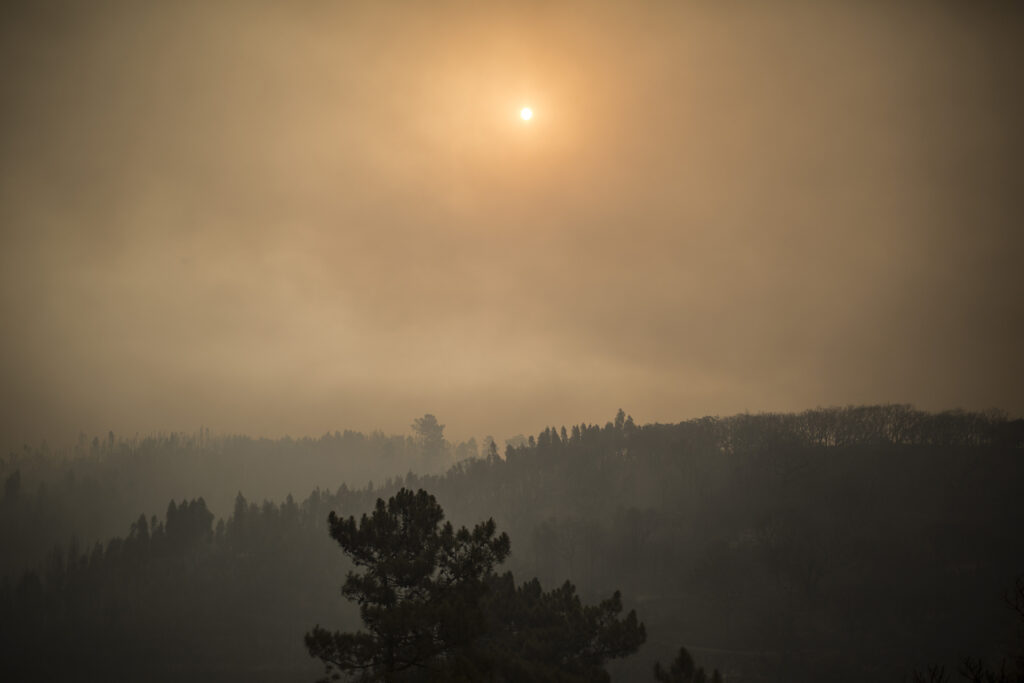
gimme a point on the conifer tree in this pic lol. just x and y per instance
(433, 608)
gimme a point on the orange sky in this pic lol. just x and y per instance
(298, 217)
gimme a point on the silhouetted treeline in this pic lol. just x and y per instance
(88, 491)
(177, 598)
(841, 544)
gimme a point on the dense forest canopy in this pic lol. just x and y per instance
(835, 544)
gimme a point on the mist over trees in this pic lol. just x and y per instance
(845, 544)
(88, 491)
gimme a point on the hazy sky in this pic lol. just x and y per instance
(297, 217)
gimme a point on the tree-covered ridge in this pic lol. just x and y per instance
(774, 549)
(89, 490)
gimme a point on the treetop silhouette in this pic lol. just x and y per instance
(434, 610)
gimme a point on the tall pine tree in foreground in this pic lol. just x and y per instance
(433, 608)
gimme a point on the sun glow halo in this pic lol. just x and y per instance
(526, 113)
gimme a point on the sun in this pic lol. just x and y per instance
(526, 113)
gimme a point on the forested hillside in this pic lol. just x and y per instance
(89, 491)
(836, 544)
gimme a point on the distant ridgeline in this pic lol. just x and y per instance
(839, 544)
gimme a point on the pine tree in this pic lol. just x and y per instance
(434, 610)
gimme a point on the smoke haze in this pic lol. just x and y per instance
(295, 217)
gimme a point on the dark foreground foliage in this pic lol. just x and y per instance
(433, 608)
(843, 545)
(684, 670)
(975, 669)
